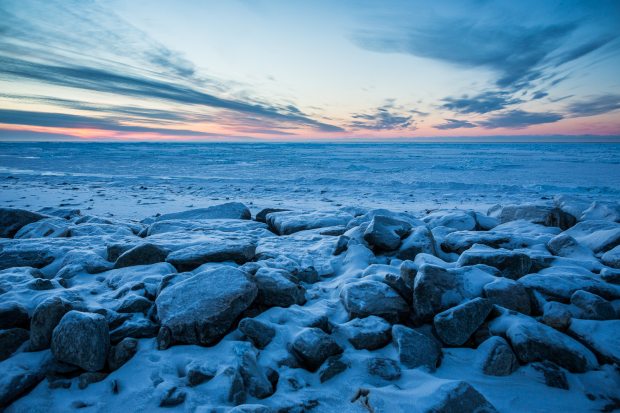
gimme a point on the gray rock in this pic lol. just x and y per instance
(13, 314)
(201, 309)
(385, 233)
(509, 294)
(562, 283)
(142, 254)
(122, 353)
(31, 255)
(275, 288)
(190, 258)
(556, 315)
(459, 397)
(135, 304)
(593, 307)
(612, 257)
(11, 340)
(456, 219)
(229, 210)
(364, 298)
(461, 241)
(332, 367)
(512, 264)
(416, 349)
(598, 235)
(419, 241)
(455, 325)
(82, 339)
(198, 373)
(537, 214)
(261, 216)
(12, 220)
(370, 333)
(387, 369)
(563, 245)
(260, 333)
(496, 358)
(600, 336)
(552, 374)
(313, 346)
(140, 328)
(45, 318)
(90, 377)
(254, 378)
(44, 228)
(289, 222)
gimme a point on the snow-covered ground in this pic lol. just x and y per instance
(441, 301)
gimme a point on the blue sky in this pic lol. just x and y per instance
(236, 70)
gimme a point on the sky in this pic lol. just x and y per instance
(240, 70)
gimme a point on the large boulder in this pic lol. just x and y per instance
(456, 219)
(496, 358)
(312, 346)
(143, 254)
(512, 264)
(509, 294)
(370, 333)
(44, 228)
(190, 258)
(563, 245)
(598, 235)
(419, 241)
(276, 289)
(592, 306)
(385, 233)
(368, 297)
(416, 349)
(202, 308)
(229, 210)
(82, 339)
(601, 336)
(537, 214)
(455, 325)
(44, 320)
(561, 283)
(13, 219)
(289, 222)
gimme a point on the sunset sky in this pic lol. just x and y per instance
(297, 70)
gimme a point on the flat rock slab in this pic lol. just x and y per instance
(230, 210)
(455, 325)
(189, 258)
(368, 297)
(289, 222)
(601, 336)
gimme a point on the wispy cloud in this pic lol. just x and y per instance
(485, 102)
(519, 119)
(385, 117)
(596, 105)
(454, 124)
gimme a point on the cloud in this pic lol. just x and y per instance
(539, 95)
(597, 105)
(385, 117)
(454, 124)
(518, 119)
(483, 103)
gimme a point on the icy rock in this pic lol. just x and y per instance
(601, 336)
(142, 254)
(261, 216)
(86, 260)
(564, 245)
(99, 230)
(275, 288)
(332, 367)
(512, 264)
(259, 332)
(20, 374)
(64, 213)
(229, 386)
(455, 325)
(254, 378)
(230, 210)
(368, 297)
(385, 233)
(198, 373)
(598, 235)
(135, 304)
(313, 346)
(496, 358)
(599, 210)
(13, 314)
(537, 214)
(461, 241)
(556, 315)
(201, 309)
(122, 353)
(189, 258)
(485, 222)
(456, 219)
(552, 374)
(47, 227)
(82, 339)
(11, 340)
(141, 328)
(456, 397)
(12, 220)
(593, 306)
(610, 275)
(419, 241)
(509, 294)
(24, 255)
(562, 283)
(387, 369)
(415, 349)
(45, 318)
(612, 257)
(289, 222)
(370, 333)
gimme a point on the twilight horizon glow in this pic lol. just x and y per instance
(293, 70)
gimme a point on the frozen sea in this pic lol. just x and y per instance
(140, 179)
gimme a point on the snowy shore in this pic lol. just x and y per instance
(335, 309)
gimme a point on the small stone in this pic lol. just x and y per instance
(387, 369)
(89, 378)
(553, 375)
(11, 340)
(456, 325)
(496, 358)
(172, 397)
(313, 346)
(259, 332)
(370, 333)
(332, 367)
(122, 353)
(416, 349)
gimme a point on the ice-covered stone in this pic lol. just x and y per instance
(45, 318)
(47, 227)
(512, 264)
(455, 325)
(276, 289)
(457, 219)
(456, 397)
(289, 222)
(189, 258)
(598, 235)
(415, 349)
(562, 283)
(370, 333)
(13, 314)
(11, 340)
(259, 332)
(419, 241)
(313, 346)
(230, 210)
(601, 336)
(13, 219)
(385, 233)
(387, 369)
(142, 254)
(593, 307)
(612, 257)
(82, 339)
(122, 353)
(537, 214)
(509, 294)
(564, 245)
(367, 297)
(496, 358)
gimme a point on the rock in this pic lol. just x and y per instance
(342, 245)
(455, 219)
(82, 339)
(612, 257)
(275, 289)
(201, 309)
(563, 245)
(135, 304)
(552, 374)
(64, 213)
(610, 276)
(512, 264)
(122, 353)
(254, 378)
(90, 377)
(289, 222)
(140, 328)
(364, 298)
(11, 340)
(13, 314)
(419, 241)
(593, 306)
(261, 216)
(600, 210)
(313, 346)
(537, 214)
(460, 241)
(31, 255)
(456, 397)
(172, 396)
(601, 336)
(230, 210)
(45, 318)
(12, 220)
(508, 294)
(496, 358)
(385, 233)
(20, 374)
(598, 235)
(230, 383)
(142, 254)
(47, 227)
(370, 333)
(332, 367)
(259, 332)
(455, 325)
(387, 369)
(562, 282)
(198, 373)
(189, 258)
(415, 349)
